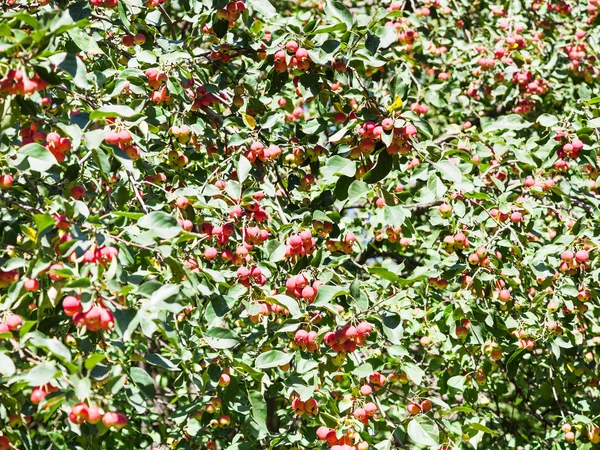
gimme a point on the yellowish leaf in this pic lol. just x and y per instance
(396, 105)
(249, 121)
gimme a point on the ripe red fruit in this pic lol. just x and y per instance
(140, 39)
(445, 210)
(370, 409)
(95, 414)
(569, 436)
(6, 181)
(52, 274)
(210, 253)
(301, 54)
(387, 123)
(309, 294)
(113, 419)
(426, 406)
(365, 390)
(182, 202)
(360, 414)
(77, 192)
(461, 332)
(567, 256)
(79, 413)
(363, 328)
(582, 256)
(128, 41)
(504, 295)
(322, 433)
(224, 380)
(4, 443)
(71, 305)
(311, 407)
(413, 408)
(516, 217)
(339, 117)
(31, 285)
(14, 322)
(37, 395)
(291, 47)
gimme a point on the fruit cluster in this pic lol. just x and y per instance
(231, 12)
(203, 98)
(8, 277)
(102, 255)
(345, 245)
(104, 3)
(81, 413)
(296, 57)
(123, 139)
(11, 323)
(94, 319)
(348, 338)
(306, 340)
(254, 274)
(16, 83)
(574, 262)
(344, 442)
(300, 244)
(309, 407)
(298, 286)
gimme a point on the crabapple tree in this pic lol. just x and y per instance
(303, 224)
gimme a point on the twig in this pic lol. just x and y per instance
(555, 394)
(169, 22)
(137, 193)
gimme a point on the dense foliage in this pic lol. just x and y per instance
(299, 224)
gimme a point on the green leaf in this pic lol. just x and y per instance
(394, 215)
(221, 338)
(272, 358)
(7, 366)
(82, 387)
(42, 374)
(512, 122)
(34, 157)
(74, 66)
(43, 221)
(94, 138)
(84, 41)
(162, 224)
(483, 428)
(338, 166)
(372, 43)
(428, 435)
(159, 360)
(327, 293)
(414, 372)
(594, 123)
(244, 168)
(258, 409)
(357, 190)
(381, 169)
(143, 380)
(264, 7)
(547, 120)
(449, 171)
(457, 382)
(339, 11)
(92, 360)
(112, 111)
(53, 345)
(585, 93)
(392, 327)
(288, 303)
